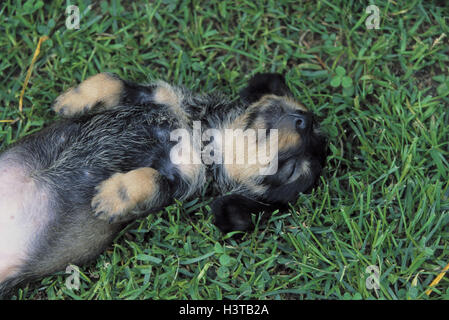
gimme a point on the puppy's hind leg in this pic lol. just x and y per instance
(125, 196)
(106, 90)
(103, 89)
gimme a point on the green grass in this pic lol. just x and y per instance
(383, 199)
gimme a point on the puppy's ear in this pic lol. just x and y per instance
(262, 84)
(233, 212)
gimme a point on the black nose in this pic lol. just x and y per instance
(303, 121)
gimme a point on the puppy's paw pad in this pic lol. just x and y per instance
(102, 88)
(112, 201)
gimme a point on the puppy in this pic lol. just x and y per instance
(124, 150)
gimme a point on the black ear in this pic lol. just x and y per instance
(233, 212)
(262, 84)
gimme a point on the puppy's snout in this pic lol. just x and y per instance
(303, 121)
(300, 122)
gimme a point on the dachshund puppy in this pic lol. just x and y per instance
(124, 150)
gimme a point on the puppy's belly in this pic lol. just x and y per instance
(23, 215)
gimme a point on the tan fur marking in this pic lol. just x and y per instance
(239, 122)
(243, 173)
(288, 139)
(140, 185)
(190, 163)
(99, 88)
(295, 104)
(266, 99)
(165, 94)
(190, 171)
(263, 102)
(248, 172)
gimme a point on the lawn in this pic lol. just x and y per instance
(382, 95)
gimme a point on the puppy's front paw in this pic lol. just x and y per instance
(112, 201)
(103, 88)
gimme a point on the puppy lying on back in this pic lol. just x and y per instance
(125, 150)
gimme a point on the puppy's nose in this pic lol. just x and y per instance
(303, 121)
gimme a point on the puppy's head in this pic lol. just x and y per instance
(296, 160)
